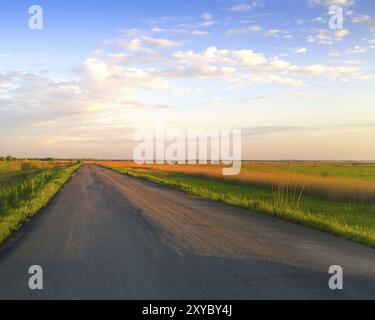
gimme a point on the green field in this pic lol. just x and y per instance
(347, 218)
(25, 189)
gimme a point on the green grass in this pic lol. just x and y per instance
(352, 221)
(23, 195)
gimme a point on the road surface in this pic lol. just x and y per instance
(109, 236)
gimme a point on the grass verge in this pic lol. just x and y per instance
(352, 221)
(24, 195)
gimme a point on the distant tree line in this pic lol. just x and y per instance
(11, 158)
(7, 158)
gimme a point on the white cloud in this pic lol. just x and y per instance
(241, 7)
(361, 19)
(245, 6)
(31, 97)
(207, 16)
(246, 67)
(112, 83)
(216, 102)
(359, 49)
(351, 62)
(158, 42)
(132, 45)
(143, 43)
(111, 80)
(212, 55)
(273, 32)
(4, 82)
(366, 20)
(319, 69)
(280, 65)
(207, 20)
(300, 50)
(118, 57)
(327, 3)
(244, 30)
(334, 53)
(340, 34)
(172, 31)
(199, 33)
(249, 58)
(324, 36)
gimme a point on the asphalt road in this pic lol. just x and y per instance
(108, 236)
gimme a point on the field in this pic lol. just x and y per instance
(26, 187)
(338, 198)
(8, 169)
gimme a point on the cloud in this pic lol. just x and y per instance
(215, 102)
(257, 98)
(370, 125)
(31, 97)
(365, 19)
(340, 34)
(199, 33)
(200, 71)
(207, 16)
(300, 50)
(110, 84)
(249, 58)
(324, 36)
(246, 6)
(177, 31)
(241, 7)
(118, 57)
(210, 55)
(244, 30)
(273, 32)
(361, 19)
(116, 83)
(271, 129)
(162, 43)
(4, 82)
(213, 56)
(207, 20)
(246, 68)
(252, 100)
(163, 106)
(359, 49)
(146, 41)
(328, 3)
(137, 50)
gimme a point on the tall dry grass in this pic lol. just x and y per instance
(9, 168)
(331, 187)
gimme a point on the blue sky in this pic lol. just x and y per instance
(100, 69)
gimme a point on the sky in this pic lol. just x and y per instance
(99, 70)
